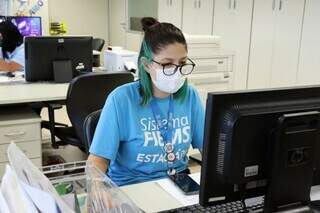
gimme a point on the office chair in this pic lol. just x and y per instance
(97, 44)
(86, 94)
(89, 127)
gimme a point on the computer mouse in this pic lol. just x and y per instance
(10, 74)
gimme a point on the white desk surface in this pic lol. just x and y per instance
(21, 92)
(150, 197)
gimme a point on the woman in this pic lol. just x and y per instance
(146, 127)
(12, 48)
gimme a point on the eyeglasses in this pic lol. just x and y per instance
(170, 69)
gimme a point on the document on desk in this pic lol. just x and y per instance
(41, 199)
(15, 196)
(176, 192)
(3, 204)
(5, 79)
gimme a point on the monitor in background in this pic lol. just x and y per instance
(27, 25)
(57, 59)
(261, 143)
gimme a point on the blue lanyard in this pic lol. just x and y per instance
(165, 130)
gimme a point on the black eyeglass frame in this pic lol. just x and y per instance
(177, 67)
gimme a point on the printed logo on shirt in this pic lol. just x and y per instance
(152, 137)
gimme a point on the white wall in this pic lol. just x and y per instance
(43, 12)
(82, 17)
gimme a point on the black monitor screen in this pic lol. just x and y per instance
(241, 129)
(42, 53)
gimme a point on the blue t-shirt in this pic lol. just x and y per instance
(128, 136)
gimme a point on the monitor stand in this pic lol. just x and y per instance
(291, 171)
(62, 71)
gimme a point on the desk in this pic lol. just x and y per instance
(21, 92)
(150, 197)
(14, 93)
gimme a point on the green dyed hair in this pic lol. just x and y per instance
(155, 40)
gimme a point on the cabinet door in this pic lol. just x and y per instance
(260, 62)
(170, 11)
(286, 42)
(197, 16)
(232, 21)
(309, 66)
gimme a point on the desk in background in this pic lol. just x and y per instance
(23, 128)
(22, 92)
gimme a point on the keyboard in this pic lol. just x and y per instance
(236, 206)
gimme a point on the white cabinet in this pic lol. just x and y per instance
(309, 63)
(170, 11)
(275, 40)
(232, 21)
(21, 126)
(197, 16)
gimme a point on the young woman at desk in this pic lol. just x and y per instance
(12, 48)
(146, 127)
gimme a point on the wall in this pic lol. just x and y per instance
(150, 8)
(43, 12)
(82, 17)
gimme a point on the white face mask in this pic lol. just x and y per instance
(168, 84)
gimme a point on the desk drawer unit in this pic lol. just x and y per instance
(36, 161)
(211, 82)
(19, 132)
(31, 149)
(209, 65)
(21, 126)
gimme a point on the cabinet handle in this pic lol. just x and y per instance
(199, 3)
(229, 4)
(280, 5)
(234, 4)
(273, 4)
(170, 2)
(14, 134)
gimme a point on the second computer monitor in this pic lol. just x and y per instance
(27, 25)
(57, 58)
(258, 142)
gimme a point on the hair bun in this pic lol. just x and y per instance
(147, 22)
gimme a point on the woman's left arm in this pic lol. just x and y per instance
(197, 121)
(9, 66)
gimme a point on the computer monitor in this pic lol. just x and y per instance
(27, 25)
(57, 58)
(261, 143)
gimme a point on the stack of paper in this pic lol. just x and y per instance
(25, 189)
(177, 193)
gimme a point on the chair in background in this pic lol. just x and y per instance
(89, 127)
(97, 44)
(86, 94)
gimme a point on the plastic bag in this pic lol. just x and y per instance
(104, 195)
(28, 173)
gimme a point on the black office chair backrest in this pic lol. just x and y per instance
(87, 93)
(89, 127)
(97, 44)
